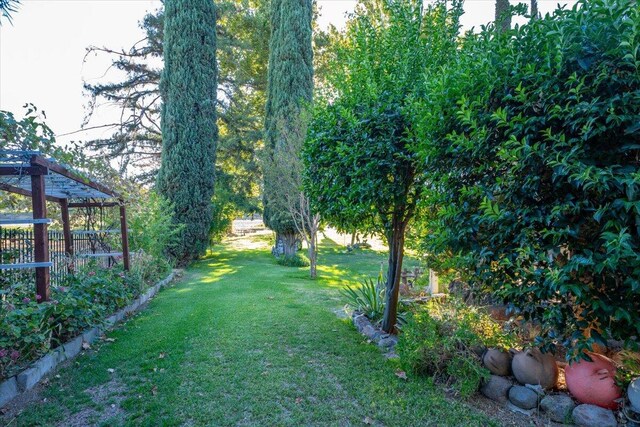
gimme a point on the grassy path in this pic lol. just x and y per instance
(242, 341)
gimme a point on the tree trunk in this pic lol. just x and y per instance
(289, 243)
(354, 236)
(313, 255)
(534, 8)
(503, 15)
(396, 253)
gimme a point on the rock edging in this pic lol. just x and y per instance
(27, 379)
(386, 342)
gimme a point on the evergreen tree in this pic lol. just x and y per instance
(189, 130)
(289, 91)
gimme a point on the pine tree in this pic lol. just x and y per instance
(289, 91)
(189, 132)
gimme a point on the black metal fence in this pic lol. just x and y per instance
(16, 247)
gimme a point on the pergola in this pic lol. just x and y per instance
(30, 174)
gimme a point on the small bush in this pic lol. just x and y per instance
(151, 225)
(297, 260)
(444, 341)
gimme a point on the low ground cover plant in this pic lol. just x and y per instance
(445, 340)
(29, 329)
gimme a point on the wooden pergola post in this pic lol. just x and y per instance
(66, 231)
(124, 233)
(40, 236)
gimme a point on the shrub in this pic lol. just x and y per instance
(445, 340)
(296, 260)
(537, 169)
(151, 226)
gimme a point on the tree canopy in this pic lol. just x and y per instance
(361, 170)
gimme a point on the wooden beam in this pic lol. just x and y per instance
(61, 170)
(23, 192)
(40, 236)
(124, 234)
(25, 265)
(93, 205)
(66, 231)
(23, 170)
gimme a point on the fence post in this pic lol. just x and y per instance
(40, 236)
(66, 230)
(124, 233)
(434, 287)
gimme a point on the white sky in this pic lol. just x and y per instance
(41, 54)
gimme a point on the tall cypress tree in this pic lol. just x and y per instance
(289, 90)
(189, 132)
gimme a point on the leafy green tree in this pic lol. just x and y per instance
(289, 92)
(361, 170)
(189, 130)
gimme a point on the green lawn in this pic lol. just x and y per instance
(243, 341)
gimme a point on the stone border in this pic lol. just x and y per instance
(386, 342)
(27, 379)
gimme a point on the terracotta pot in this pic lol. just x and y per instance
(532, 367)
(593, 382)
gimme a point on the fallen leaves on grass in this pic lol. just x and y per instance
(111, 370)
(162, 355)
(368, 421)
(154, 390)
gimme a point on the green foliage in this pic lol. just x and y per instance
(531, 142)
(242, 55)
(29, 133)
(361, 171)
(295, 260)
(29, 329)
(442, 340)
(151, 225)
(290, 90)
(189, 130)
(367, 298)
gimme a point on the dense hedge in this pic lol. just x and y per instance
(532, 145)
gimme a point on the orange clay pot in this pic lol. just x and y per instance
(593, 382)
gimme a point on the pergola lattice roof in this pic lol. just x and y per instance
(61, 182)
